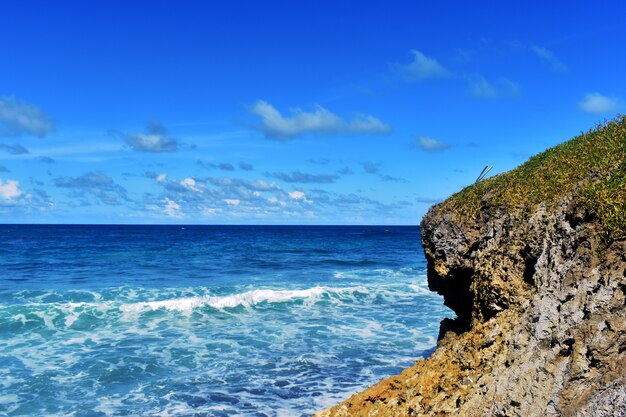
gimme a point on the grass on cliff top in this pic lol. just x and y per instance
(550, 175)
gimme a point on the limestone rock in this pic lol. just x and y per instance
(540, 327)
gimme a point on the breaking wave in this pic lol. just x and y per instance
(245, 299)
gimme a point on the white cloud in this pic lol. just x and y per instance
(275, 201)
(259, 185)
(421, 67)
(297, 195)
(320, 121)
(500, 88)
(189, 183)
(9, 190)
(172, 208)
(17, 118)
(209, 211)
(148, 143)
(155, 140)
(256, 185)
(161, 178)
(233, 198)
(97, 184)
(430, 145)
(596, 103)
(549, 57)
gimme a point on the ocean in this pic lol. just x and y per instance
(207, 320)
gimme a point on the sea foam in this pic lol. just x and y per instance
(212, 321)
(245, 299)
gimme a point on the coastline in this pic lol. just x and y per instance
(539, 292)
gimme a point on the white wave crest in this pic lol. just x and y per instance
(245, 299)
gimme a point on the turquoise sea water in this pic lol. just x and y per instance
(206, 320)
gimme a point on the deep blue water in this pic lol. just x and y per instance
(206, 320)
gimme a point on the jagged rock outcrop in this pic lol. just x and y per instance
(540, 299)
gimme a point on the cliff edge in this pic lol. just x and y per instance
(533, 263)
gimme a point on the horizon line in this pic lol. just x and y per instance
(208, 224)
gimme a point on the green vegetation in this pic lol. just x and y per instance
(598, 155)
(607, 201)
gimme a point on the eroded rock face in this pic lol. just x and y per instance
(541, 326)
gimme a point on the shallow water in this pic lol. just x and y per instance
(206, 320)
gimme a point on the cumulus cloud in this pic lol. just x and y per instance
(500, 88)
(14, 149)
(420, 68)
(430, 145)
(550, 58)
(155, 139)
(230, 197)
(320, 121)
(275, 201)
(596, 103)
(304, 178)
(236, 198)
(96, 184)
(159, 178)
(189, 183)
(9, 190)
(297, 195)
(257, 185)
(17, 118)
(172, 209)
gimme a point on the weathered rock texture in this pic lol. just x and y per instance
(540, 327)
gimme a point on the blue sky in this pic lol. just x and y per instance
(285, 113)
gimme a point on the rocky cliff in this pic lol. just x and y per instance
(533, 264)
